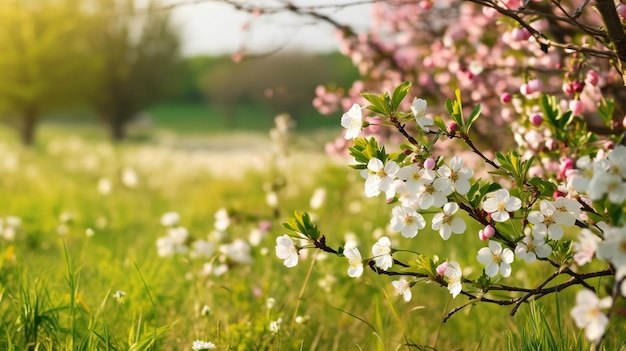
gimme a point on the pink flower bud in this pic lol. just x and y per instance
(578, 86)
(407, 151)
(557, 194)
(429, 163)
(535, 85)
(489, 231)
(592, 77)
(441, 269)
(453, 127)
(426, 5)
(551, 144)
(505, 98)
(577, 107)
(536, 119)
(621, 11)
(520, 34)
(568, 89)
(610, 145)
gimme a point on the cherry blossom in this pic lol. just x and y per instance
(531, 248)
(407, 221)
(457, 175)
(380, 177)
(446, 221)
(352, 121)
(587, 313)
(497, 259)
(403, 287)
(418, 108)
(382, 253)
(286, 250)
(586, 246)
(499, 203)
(454, 274)
(613, 247)
(544, 222)
(355, 261)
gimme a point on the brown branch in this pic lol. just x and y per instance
(615, 29)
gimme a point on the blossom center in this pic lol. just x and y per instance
(502, 207)
(409, 220)
(496, 258)
(447, 218)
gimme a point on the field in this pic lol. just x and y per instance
(92, 267)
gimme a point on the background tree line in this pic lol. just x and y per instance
(115, 59)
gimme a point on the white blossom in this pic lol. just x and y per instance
(380, 177)
(586, 246)
(499, 203)
(544, 222)
(418, 108)
(355, 261)
(382, 253)
(613, 247)
(286, 250)
(496, 259)
(352, 121)
(403, 287)
(454, 274)
(530, 248)
(447, 223)
(457, 176)
(407, 221)
(587, 313)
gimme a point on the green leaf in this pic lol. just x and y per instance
(378, 103)
(473, 117)
(606, 110)
(399, 94)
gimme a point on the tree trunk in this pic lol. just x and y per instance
(29, 122)
(117, 128)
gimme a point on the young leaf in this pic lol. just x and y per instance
(399, 94)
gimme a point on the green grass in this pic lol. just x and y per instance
(203, 118)
(57, 283)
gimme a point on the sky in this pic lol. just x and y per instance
(210, 27)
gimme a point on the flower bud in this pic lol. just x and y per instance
(536, 119)
(489, 231)
(505, 98)
(557, 194)
(441, 269)
(453, 127)
(592, 77)
(577, 107)
(578, 86)
(429, 163)
(621, 11)
(407, 151)
(535, 85)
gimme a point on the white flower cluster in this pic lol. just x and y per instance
(9, 227)
(218, 247)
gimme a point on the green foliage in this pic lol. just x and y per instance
(399, 94)
(140, 59)
(365, 149)
(301, 224)
(512, 165)
(455, 110)
(539, 334)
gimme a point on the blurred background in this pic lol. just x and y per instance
(125, 69)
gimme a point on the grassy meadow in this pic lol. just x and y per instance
(88, 267)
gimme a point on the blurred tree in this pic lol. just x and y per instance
(44, 64)
(139, 49)
(279, 83)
